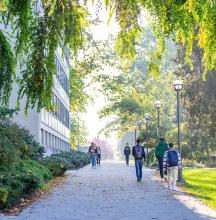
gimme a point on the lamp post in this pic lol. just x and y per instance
(135, 133)
(146, 120)
(178, 85)
(158, 105)
(139, 124)
(78, 145)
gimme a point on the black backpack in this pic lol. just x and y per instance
(172, 158)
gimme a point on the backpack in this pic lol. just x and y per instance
(172, 158)
(138, 151)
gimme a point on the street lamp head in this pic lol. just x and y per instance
(158, 104)
(139, 122)
(146, 116)
(178, 85)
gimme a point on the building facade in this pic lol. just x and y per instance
(50, 129)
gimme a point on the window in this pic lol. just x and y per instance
(46, 138)
(42, 136)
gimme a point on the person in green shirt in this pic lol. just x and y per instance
(161, 148)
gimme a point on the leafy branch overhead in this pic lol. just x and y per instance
(37, 36)
(60, 23)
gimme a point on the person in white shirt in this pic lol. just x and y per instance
(171, 163)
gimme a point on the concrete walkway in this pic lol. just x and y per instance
(111, 192)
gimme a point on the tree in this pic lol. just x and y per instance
(199, 104)
(39, 28)
(78, 131)
(61, 22)
(133, 94)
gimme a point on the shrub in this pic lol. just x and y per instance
(74, 159)
(24, 178)
(8, 154)
(56, 166)
(3, 195)
(192, 163)
(19, 142)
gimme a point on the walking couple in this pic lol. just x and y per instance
(95, 153)
(169, 161)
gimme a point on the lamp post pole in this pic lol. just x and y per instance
(78, 145)
(140, 124)
(158, 105)
(135, 135)
(147, 147)
(178, 85)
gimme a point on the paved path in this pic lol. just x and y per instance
(111, 192)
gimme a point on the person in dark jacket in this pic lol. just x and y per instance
(161, 148)
(127, 153)
(98, 155)
(93, 151)
(138, 154)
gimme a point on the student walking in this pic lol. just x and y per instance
(93, 152)
(171, 163)
(98, 155)
(127, 153)
(161, 148)
(138, 154)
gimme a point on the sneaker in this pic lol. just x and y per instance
(174, 188)
(169, 187)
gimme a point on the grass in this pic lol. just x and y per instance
(202, 184)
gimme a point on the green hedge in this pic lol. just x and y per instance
(22, 166)
(66, 160)
(24, 178)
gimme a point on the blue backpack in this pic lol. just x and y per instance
(172, 158)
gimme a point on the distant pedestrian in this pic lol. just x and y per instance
(138, 154)
(98, 155)
(161, 148)
(93, 152)
(171, 163)
(127, 153)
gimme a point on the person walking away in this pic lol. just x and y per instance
(93, 152)
(171, 163)
(98, 155)
(138, 154)
(127, 153)
(161, 148)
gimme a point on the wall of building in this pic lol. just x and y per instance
(50, 129)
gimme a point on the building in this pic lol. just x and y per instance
(50, 129)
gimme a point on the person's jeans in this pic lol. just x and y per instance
(138, 165)
(98, 159)
(93, 159)
(160, 164)
(127, 159)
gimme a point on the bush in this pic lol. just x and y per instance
(3, 195)
(56, 166)
(73, 159)
(19, 141)
(8, 154)
(192, 164)
(24, 178)
(59, 163)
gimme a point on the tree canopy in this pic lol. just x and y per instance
(38, 33)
